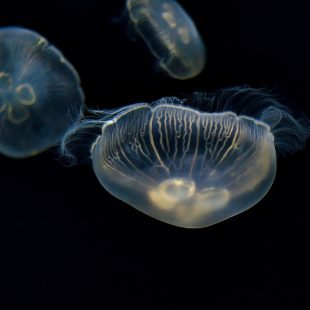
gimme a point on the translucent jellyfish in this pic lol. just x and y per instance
(196, 161)
(171, 36)
(40, 93)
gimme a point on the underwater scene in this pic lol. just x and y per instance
(153, 149)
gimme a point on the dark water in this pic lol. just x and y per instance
(64, 240)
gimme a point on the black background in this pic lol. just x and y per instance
(65, 241)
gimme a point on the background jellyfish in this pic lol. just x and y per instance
(196, 161)
(40, 93)
(171, 36)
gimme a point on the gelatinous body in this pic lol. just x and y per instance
(171, 36)
(40, 93)
(184, 167)
(187, 167)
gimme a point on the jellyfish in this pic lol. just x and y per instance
(195, 161)
(171, 36)
(40, 93)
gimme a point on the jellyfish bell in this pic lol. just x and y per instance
(194, 162)
(182, 166)
(170, 35)
(40, 93)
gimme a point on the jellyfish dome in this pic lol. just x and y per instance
(40, 93)
(197, 161)
(171, 36)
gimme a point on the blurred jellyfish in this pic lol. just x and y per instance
(196, 161)
(171, 36)
(40, 93)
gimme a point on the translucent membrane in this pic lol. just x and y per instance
(40, 93)
(171, 36)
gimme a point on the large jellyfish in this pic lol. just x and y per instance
(40, 93)
(196, 161)
(171, 36)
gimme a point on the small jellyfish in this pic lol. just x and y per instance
(40, 93)
(171, 36)
(196, 161)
